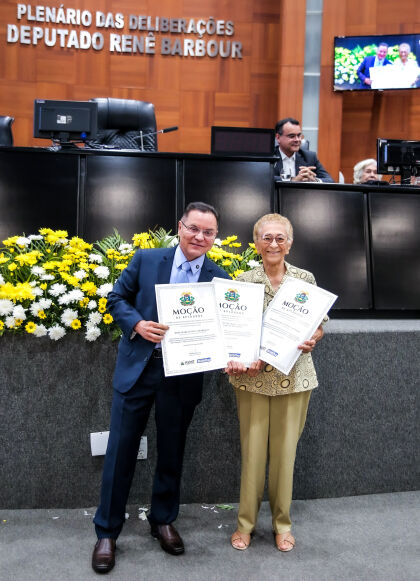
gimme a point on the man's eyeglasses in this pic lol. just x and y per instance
(195, 230)
(268, 239)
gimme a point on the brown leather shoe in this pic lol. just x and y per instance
(169, 538)
(103, 556)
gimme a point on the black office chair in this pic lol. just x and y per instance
(122, 122)
(6, 135)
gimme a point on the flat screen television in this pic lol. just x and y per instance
(355, 68)
(250, 141)
(65, 122)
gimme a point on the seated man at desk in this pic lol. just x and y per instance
(296, 164)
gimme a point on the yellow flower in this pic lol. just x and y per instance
(1, 325)
(229, 240)
(64, 265)
(3, 258)
(72, 280)
(42, 315)
(43, 286)
(30, 258)
(143, 240)
(237, 273)
(235, 245)
(226, 263)
(18, 322)
(51, 264)
(251, 245)
(108, 319)
(76, 324)
(102, 309)
(89, 288)
(12, 266)
(55, 237)
(20, 292)
(102, 302)
(30, 327)
(80, 244)
(84, 302)
(10, 241)
(121, 266)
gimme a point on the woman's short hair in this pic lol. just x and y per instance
(273, 218)
(359, 168)
(406, 46)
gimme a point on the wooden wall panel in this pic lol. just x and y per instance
(291, 59)
(330, 103)
(193, 93)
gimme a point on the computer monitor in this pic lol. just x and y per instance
(396, 155)
(249, 141)
(65, 121)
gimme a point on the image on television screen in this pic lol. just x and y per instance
(365, 63)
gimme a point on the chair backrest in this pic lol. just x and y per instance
(304, 144)
(121, 120)
(6, 135)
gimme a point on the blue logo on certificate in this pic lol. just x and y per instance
(204, 360)
(232, 295)
(302, 297)
(187, 299)
(234, 354)
(273, 353)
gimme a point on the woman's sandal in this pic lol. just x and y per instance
(242, 538)
(282, 538)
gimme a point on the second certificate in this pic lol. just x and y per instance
(241, 308)
(192, 343)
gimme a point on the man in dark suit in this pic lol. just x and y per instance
(297, 164)
(368, 62)
(139, 381)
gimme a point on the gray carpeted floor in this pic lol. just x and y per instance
(366, 538)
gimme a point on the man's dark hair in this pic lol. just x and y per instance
(383, 44)
(280, 124)
(201, 207)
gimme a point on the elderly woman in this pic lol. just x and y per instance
(271, 406)
(365, 171)
(406, 65)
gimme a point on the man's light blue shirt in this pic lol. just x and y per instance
(194, 274)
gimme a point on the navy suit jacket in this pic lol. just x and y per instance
(363, 70)
(305, 157)
(133, 299)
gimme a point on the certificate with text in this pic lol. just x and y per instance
(241, 309)
(291, 318)
(193, 342)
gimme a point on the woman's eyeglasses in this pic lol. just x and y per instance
(268, 239)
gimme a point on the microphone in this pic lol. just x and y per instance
(166, 130)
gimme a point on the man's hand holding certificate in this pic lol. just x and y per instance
(292, 318)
